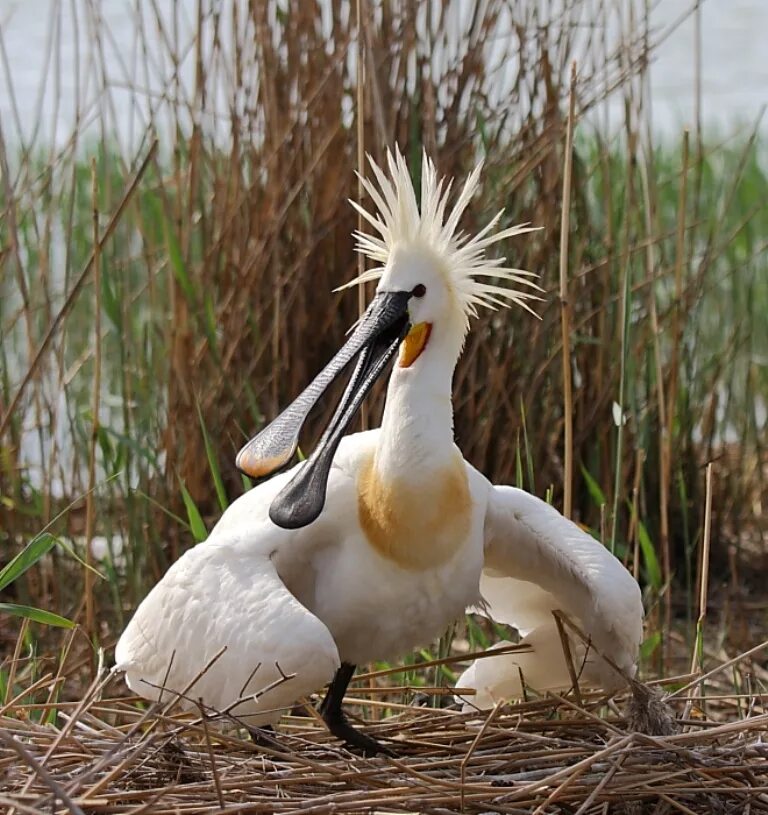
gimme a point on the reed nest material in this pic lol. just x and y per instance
(105, 755)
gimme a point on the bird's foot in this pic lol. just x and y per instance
(336, 721)
(264, 737)
(339, 726)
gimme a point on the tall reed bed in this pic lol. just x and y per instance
(168, 267)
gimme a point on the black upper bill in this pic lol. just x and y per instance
(302, 499)
(377, 336)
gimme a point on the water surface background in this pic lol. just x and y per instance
(44, 38)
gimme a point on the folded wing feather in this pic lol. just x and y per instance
(537, 561)
(221, 626)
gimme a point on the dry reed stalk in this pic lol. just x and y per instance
(623, 327)
(484, 654)
(604, 781)
(27, 758)
(90, 623)
(565, 306)
(664, 428)
(63, 734)
(556, 760)
(676, 311)
(472, 747)
(29, 690)
(670, 411)
(567, 653)
(582, 710)
(697, 114)
(633, 534)
(429, 690)
(11, 214)
(706, 540)
(696, 677)
(20, 637)
(697, 657)
(360, 125)
(214, 770)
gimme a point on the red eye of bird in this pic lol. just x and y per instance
(419, 291)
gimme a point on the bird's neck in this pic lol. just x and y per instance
(414, 504)
(416, 436)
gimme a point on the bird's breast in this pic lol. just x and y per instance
(417, 525)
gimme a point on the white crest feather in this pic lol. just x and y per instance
(399, 220)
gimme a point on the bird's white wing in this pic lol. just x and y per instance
(221, 625)
(537, 561)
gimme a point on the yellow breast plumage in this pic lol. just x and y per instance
(416, 525)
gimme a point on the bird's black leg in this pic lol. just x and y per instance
(263, 736)
(336, 721)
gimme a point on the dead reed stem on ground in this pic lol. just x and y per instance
(550, 755)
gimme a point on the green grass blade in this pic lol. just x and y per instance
(72, 553)
(596, 493)
(652, 568)
(649, 646)
(176, 259)
(37, 615)
(528, 452)
(196, 523)
(518, 466)
(213, 464)
(28, 556)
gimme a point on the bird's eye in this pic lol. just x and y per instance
(419, 290)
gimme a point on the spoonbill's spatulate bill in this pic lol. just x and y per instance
(380, 539)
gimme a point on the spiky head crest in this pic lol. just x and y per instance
(473, 278)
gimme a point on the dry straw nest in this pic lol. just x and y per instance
(677, 745)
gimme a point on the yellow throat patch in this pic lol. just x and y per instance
(414, 343)
(416, 527)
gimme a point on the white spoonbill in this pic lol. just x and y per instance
(378, 541)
